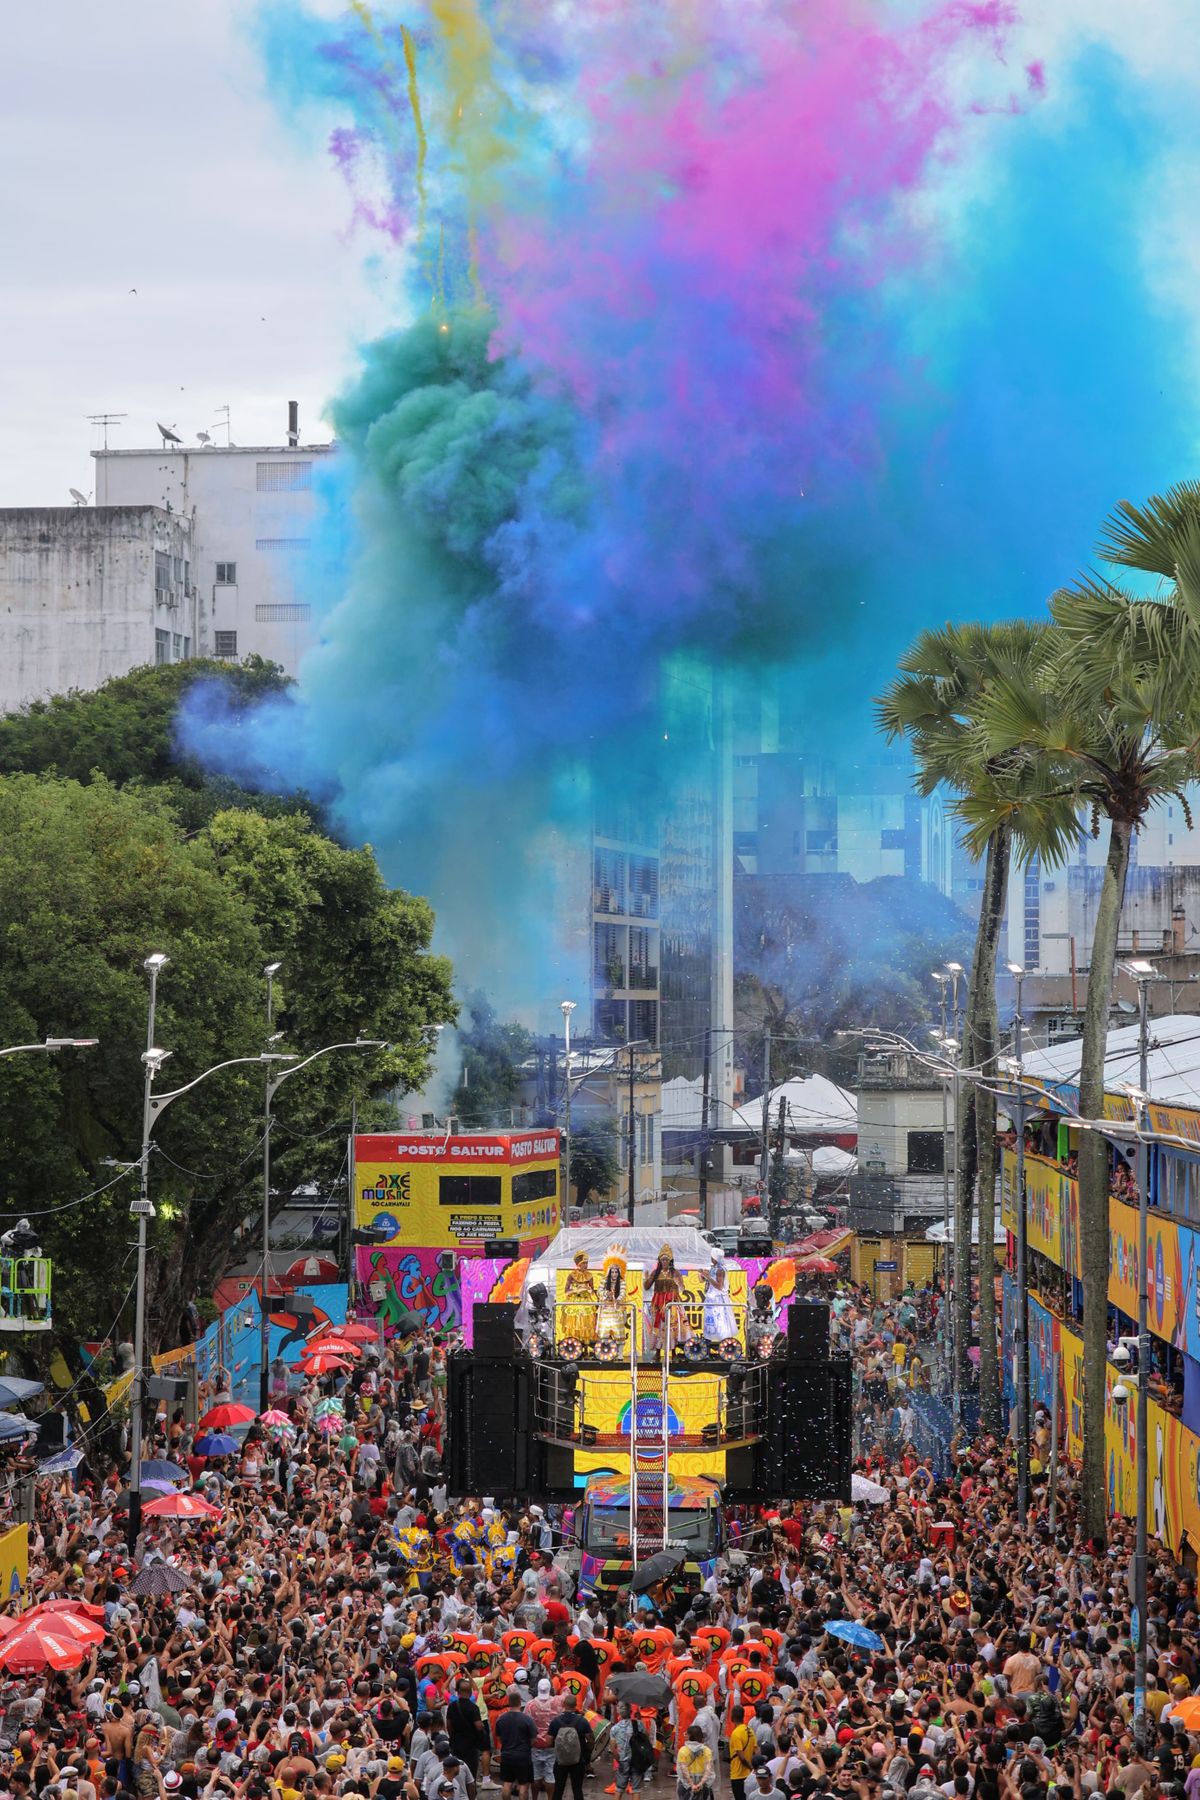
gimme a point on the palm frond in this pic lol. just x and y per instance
(1146, 537)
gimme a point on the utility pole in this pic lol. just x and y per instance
(705, 1081)
(765, 1175)
(566, 1007)
(1021, 1323)
(632, 1141)
(773, 1206)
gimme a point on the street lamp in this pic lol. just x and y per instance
(273, 1084)
(271, 971)
(1143, 973)
(1021, 1326)
(153, 1105)
(50, 1045)
(567, 1007)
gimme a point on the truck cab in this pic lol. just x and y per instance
(604, 1522)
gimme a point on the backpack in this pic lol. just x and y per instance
(641, 1750)
(568, 1751)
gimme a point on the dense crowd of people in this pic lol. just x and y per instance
(346, 1627)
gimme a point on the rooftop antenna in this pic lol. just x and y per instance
(224, 421)
(104, 420)
(78, 498)
(202, 437)
(168, 436)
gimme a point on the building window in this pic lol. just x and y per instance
(643, 887)
(283, 612)
(643, 1020)
(227, 574)
(926, 1152)
(224, 643)
(820, 843)
(162, 572)
(1033, 912)
(187, 648)
(176, 645)
(290, 477)
(539, 1184)
(281, 543)
(162, 646)
(609, 1021)
(645, 1138)
(469, 1190)
(608, 960)
(608, 882)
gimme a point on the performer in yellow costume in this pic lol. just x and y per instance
(612, 1313)
(579, 1310)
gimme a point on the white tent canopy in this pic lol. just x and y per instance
(1173, 1067)
(939, 1234)
(827, 1159)
(812, 1104)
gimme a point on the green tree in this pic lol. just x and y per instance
(1119, 725)
(936, 703)
(495, 1059)
(125, 730)
(91, 880)
(595, 1158)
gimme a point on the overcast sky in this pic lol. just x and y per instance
(139, 151)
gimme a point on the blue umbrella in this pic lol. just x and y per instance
(851, 1632)
(13, 1426)
(216, 1443)
(157, 1469)
(61, 1463)
(15, 1388)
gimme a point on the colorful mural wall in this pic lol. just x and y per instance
(402, 1281)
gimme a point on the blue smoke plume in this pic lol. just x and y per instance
(628, 436)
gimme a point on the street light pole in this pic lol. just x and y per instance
(1021, 1321)
(941, 977)
(567, 1007)
(152, 1061)
(50, 1045)
(273, 1086)
(765, 1177)
(1143, 974)
(264, 1322)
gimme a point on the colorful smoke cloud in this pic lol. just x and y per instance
(699, 370)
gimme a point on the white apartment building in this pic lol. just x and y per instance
(251, 511)
(89, 592)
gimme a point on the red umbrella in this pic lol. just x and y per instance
(817, 1265)
(220, 1418)
(62, 1641)
(181, 1506)
(335, 1345)
(63, 1603)
(355, 1331)
(318, 1362)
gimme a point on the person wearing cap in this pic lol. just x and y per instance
(542, 1709)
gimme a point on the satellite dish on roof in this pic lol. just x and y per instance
(202, 437)
(78, 498)
(168, 436)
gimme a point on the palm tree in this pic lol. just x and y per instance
(935, 704)
(1119, 725)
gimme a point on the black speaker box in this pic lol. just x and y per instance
(488, 1429)
(805, 1450)
(496, 1329)
(51, 1434)
(808, 1329)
